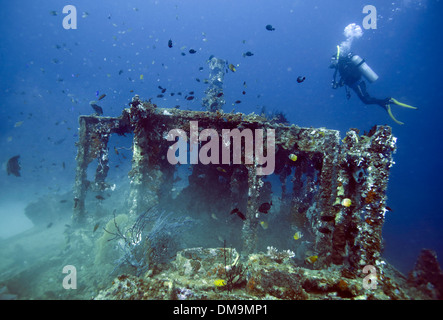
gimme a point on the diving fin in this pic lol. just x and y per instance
(388, 109)
(404, 105)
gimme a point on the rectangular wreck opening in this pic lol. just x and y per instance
(120, 155)
(90, 171)
(180, 179)
(111, 194)
(293, 191)
(203, 193)
(216, 196)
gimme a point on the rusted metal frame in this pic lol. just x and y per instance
(94, 133)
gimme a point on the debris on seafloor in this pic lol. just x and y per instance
(199, 273)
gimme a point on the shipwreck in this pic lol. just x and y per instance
(321, 203)
(328, 170)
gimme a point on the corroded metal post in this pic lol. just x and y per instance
(249, 230)
(83, 160)
(363, 175)
(138, 196)
(376, 153)
(214, 99)
(327, 191)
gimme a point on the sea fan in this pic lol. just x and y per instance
(153, 239)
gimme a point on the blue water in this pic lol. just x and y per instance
(49, 75)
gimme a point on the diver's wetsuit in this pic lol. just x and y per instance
(351, 77)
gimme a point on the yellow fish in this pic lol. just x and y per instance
(311, 259)
(298, 235)
(18, 124)
(219, 282)
(141, 77)
(221, 169)
(264, 224)
(293, 157)
(346, 202)
(232, 67)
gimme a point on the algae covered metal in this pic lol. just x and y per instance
(326, 171)
(214, 99)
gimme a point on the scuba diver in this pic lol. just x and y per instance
(351, 68)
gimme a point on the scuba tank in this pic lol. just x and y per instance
(363, 67)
